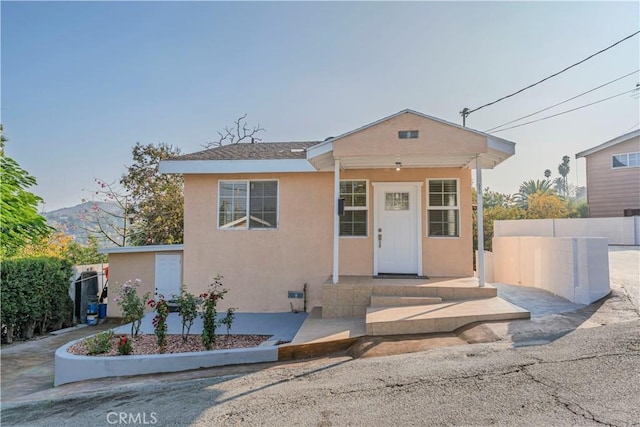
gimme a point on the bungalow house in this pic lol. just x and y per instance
(390, 198)
(613, 177)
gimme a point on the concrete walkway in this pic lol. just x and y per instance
(27, 367)
(538, 302)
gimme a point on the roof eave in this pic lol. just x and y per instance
(234, 166)
(138, 249)
(610, 143)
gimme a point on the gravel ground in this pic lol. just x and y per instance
(147, 344)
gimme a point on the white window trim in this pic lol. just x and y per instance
(443, 208)
(247, 228)
(624, 154)
(359, 208)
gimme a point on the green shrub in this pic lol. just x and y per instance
(99, 343)
(188, 308)
(132, 305)
(34, 295)
(210, 311)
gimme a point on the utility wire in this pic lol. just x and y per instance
(567, 111)
(465, 112)
(563, 102)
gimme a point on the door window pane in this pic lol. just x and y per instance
(396, 201)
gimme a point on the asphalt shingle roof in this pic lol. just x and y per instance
(258, 151)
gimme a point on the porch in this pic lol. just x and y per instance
(366, 305)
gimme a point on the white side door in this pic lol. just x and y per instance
(396, 228)
(168, 273)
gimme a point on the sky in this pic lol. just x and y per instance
(83, 82)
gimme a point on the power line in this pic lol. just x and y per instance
(567, 111)
(465, 112)
(563, 102)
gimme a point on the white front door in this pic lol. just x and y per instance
(397, 228)
(168, 274)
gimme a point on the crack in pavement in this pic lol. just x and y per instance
(569, 405)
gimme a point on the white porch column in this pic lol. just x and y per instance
(336, 221)
(480, 216)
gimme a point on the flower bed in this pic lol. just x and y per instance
(147, 344)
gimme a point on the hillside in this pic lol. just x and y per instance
(74, 220)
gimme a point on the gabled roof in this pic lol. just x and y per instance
(313, 156)
(416, 113)
(260, 151)
(498, 149)
(610, 143)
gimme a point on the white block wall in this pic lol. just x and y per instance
(576, 269)
(619, 231)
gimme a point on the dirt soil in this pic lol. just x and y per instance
(147, 344)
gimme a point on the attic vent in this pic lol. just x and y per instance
(297, 150)
(408, 134)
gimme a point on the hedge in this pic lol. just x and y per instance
(35, 296)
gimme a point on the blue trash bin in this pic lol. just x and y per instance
(92, 308)
(102, 311)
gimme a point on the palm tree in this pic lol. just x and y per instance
(547, 173)
(528, 188)
(563, 170)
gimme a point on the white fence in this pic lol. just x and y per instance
(618, 231)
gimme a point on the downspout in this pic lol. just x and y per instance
(480, 217)
(336, 221)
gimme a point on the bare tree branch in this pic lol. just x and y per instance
(240, 132)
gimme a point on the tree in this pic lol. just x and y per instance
(156, 200)
(108, 219)
(62, 246)
(492, 199)
(86, 254)
(241, 131)
(528, 188)
(54, 246)
(545, 205)
(496, 206)
(563, 170)
(547, 173)
(20, 222)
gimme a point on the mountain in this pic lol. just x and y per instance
(75, 220)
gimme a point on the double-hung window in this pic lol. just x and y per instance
(356, 208)
(443, 208)
(626, 160)
(247, 205)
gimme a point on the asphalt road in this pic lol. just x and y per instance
(585, 372)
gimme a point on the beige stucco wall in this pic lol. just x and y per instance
(131, 266)
(609, 190)
(441, 256)
(260, 266)
(434, 138)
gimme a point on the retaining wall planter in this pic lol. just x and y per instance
(71, 368)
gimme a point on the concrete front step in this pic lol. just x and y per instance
(435, 318)
(430, 291)
(393, 301)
